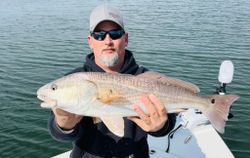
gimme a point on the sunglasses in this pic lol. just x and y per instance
(114, 34)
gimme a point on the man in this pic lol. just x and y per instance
(91, 138)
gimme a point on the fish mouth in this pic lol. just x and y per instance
(46, 102)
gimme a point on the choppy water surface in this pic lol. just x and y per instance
(42, 40)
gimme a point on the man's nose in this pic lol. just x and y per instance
(108, 40)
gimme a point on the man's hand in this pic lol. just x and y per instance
(65, 119)
(156, 117)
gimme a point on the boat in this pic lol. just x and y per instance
(193, 136)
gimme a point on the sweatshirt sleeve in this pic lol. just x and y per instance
(57, 133)
(169, 125)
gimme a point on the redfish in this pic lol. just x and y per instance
(111, 97)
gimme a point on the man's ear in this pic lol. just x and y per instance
(90, 42)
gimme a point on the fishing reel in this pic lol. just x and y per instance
(225, 77)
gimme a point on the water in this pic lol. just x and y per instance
(42, 40)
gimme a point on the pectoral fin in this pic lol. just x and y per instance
(115, 124)
(108, 96)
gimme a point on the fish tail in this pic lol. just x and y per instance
(218, 112)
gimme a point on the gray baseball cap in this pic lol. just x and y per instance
(105, 12)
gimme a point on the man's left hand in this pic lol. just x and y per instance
(156, 117)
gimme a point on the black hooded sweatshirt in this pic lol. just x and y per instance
(95, 140)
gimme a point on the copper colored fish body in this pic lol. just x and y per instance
(111, 97)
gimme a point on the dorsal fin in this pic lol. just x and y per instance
(170, 81)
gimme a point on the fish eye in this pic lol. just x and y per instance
(53, 87)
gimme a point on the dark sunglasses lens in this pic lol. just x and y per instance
(100, 35)
(116, 34)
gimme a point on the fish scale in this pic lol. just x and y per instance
(132, 87)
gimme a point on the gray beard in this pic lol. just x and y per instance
(111, 60)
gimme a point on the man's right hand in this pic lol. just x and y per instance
(65, 119)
